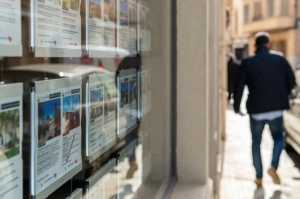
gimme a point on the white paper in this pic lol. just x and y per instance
(132, 43)
(101, 28)
(96, 23)
(57, 27)
(11, 164)
(58, 134)
(128, 103)
(109, 23)
(102, 96)
(10, 28)
(123, 24)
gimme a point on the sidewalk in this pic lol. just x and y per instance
(238, 173)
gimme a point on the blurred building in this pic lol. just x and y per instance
(278, 17)
(239, 40)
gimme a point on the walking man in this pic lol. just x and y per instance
(269, 79)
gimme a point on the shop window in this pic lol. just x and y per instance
(281, 46)
(246, 14)
(236, 22)
(284, 7)
(270, 8)
(257, 11)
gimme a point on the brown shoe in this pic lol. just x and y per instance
(258, 182)
(272, 172)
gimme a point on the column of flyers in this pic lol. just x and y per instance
(123, 24)
(109, 22)
(11, 169)
(101, 28)
(128, 103)
(96, 135)
(10, 28)
(101, 132)
(95, 24)
(132, 44)
(58, 134)
(132, 114)
(109, 111)
(77, 194)
(57, 28)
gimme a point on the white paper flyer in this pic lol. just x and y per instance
(101, 28)
(123, 24)
(57, 28)
(132, 43)
(58, 134)
(128, 103)
(101, 115)
(10, 28)
(11, 169)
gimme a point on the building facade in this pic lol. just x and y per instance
(280, 19)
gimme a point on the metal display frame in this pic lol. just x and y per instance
(127, 150)
(101, 78)
(94, 179)
(11, 90)
(11, 50)
(77, 194)
(38, 87)
(125, 74)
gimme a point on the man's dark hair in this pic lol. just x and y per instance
(262, 38)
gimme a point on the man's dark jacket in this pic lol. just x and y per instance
(269, 78)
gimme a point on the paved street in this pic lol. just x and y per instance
(238, 173)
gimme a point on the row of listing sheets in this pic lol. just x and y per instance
(56, 132)
(121, 26)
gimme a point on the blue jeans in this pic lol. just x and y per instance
(277, 129)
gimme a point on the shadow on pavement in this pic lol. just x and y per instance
(259, 193)
(277, 195)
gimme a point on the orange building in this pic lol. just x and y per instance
(280, 19)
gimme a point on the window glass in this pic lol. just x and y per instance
(284, 7)
(257, 11)
(246, 13)
(270, 8)
(91, 72)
